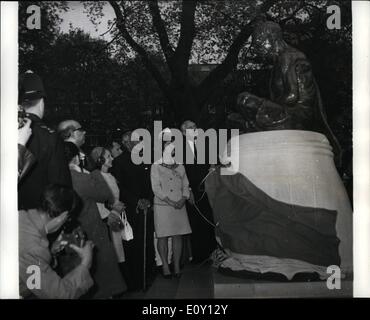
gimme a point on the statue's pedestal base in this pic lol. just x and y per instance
(231, 287)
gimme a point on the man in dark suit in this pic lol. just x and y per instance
(136, 192)
(203, 240)
(46, 146)
(72, 131)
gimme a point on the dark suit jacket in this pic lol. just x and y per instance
(133, 181)
(196, 172)
(25, 161)
(50, 166)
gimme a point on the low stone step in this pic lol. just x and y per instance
(233, 287)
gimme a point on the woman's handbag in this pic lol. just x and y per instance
(126, 232)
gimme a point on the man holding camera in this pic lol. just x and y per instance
(36, 275)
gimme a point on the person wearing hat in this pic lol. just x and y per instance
(50, 165)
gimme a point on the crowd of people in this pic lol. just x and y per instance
(77, 209)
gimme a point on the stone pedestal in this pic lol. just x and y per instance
(226, 287)
(294, 168)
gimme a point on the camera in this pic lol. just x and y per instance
(22, 116)
(68, 259)
(76, 237)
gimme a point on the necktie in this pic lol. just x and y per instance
(82, 161)
(195, 152)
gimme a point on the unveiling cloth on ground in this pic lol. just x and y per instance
(281, 205)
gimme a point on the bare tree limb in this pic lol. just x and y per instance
(110, 29)
(111, 41)
(139, 49)
(161, 31)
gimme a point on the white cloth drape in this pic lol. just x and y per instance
(297, 167)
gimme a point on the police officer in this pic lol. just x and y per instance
(45, 144)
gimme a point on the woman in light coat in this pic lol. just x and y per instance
(92, 188)
(102, 159)
(171, 190)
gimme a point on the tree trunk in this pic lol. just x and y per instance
(184, 103)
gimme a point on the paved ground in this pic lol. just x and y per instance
(195, 283)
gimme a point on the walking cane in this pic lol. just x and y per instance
(144, 269)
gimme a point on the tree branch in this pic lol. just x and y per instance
(187, 34)
(113, 39)
(231, 60)
(161, 30)
(111, 27)
(139, 50)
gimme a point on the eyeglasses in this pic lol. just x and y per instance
(79, 129)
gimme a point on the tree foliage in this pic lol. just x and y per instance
(85, 83)
(36, 41)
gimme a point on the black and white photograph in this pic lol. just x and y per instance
(173, 150)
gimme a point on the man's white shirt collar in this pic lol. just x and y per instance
(192, 145)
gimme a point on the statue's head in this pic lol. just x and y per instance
(266, 35)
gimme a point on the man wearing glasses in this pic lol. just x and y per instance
(50, 166)
(72, 131)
